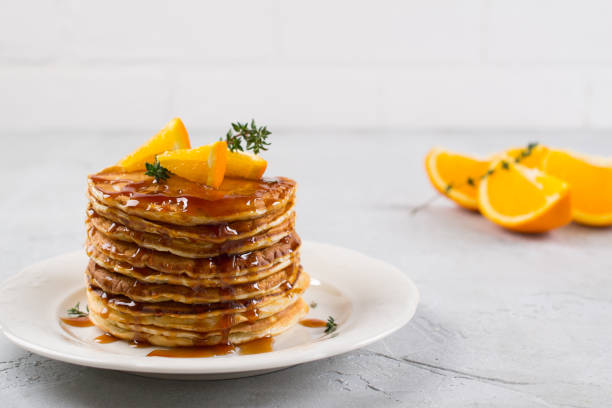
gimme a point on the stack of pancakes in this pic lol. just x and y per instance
(177, 263)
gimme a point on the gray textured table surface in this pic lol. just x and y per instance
(504, 319)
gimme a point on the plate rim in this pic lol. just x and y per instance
(282, 358)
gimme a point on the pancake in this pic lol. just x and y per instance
(211, 267)
(216, 233)
(180, 310)
(241, 333)
(181, 202)
(186, 248)
(118, 284)
(152, 276)
(177, 263)
(114, 309)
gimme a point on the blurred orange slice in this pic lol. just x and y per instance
(531, 156)
(173, 136)
(524, 199)
(205, 164)
(456, 176)
(591, 182)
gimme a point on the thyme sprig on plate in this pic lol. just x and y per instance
(76, 310)
(524, 153)
(255, 137)
(158, 171)
(331, 325)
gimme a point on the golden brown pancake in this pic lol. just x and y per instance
(198, 310)
(211, 267)
(182, 202)
(216, 233)
(241, 333)
(187, 248)
(115, 309)
(118, 284)
(149, 275)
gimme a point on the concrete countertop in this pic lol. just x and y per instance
(504, 319)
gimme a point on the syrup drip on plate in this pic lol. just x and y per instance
(263, 345)
(81, 321)
(313, 323)
(105, 338)
(190, 352)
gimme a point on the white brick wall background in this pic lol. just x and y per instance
(466, 65)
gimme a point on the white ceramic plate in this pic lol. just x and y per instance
(368, 298)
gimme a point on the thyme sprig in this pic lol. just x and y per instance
(524, 153)
(255, 137)
(76, 310)
(331, 325)
(158, 171)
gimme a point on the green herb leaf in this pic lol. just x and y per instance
(448, 188)
(156, 170)
(255, 137)
(331, 325)
(470, 181)
(76, 310)
(505, 165)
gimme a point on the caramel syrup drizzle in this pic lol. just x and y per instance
(81, 321)
(105, 338)
(263, 345)
(232, 197)
(313, 323)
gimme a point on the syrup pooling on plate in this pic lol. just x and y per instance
(233, 196)
(105, 338)
(81, 321)
(263, 345)
(313, 323)
(259, 346)
(191, 352)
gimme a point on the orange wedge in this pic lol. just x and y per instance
(245, 165)
(591, 182)
(238, 164)
(455, 175)
(524, 199)
(173, 136)
(205, 164)
(531, 157)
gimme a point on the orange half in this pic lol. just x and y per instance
(531, 158)
(456, 176)
(173, 136)
(524, 199)
(591, 182)
(205, 164)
